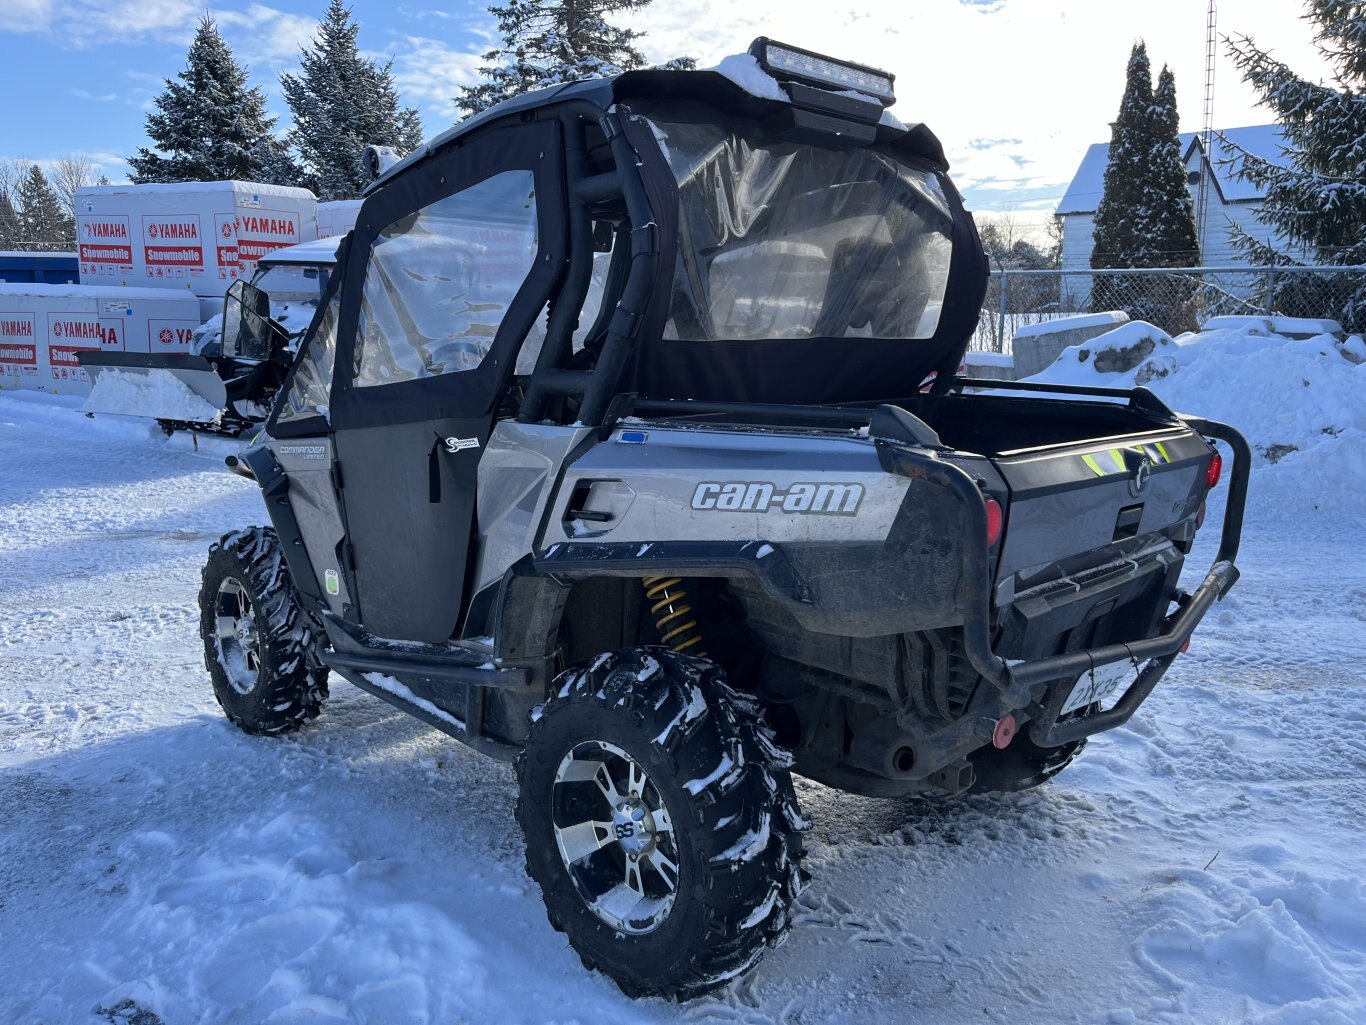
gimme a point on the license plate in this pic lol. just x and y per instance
(1105, 684)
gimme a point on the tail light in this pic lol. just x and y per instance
(996, 521)
(1213, 471)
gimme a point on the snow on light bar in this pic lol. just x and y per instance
(783, 61)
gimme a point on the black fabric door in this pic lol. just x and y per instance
(455, 260)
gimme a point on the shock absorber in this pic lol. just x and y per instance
(673, 615)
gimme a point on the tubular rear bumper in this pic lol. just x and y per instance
(1016, 682)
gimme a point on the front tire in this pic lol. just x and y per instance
(660, 822)
(258, 646)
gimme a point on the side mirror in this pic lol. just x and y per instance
(247, 330)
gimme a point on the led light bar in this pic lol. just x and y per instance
(785, 62)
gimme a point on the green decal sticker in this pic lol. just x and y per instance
(333, 582)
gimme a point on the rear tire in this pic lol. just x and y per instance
(660, 822)
(258, 646)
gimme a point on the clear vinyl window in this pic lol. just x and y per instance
(311, 388)
(440, 280)
(793, 240)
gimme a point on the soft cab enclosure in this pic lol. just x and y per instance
(683, 325)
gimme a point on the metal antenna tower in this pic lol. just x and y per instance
(1207, 128)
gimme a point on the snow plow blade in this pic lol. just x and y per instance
(180, 387)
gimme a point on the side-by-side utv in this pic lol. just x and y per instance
(609, 451)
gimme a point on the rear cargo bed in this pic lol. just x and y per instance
(991, 425)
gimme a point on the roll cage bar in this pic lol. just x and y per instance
(620, 190)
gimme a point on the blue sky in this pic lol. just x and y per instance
(1016, 88)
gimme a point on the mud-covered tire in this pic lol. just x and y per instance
(1021, 766)
(736, 829)
(265, 673)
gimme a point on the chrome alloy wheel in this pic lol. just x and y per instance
(238, 643)
(615, 837)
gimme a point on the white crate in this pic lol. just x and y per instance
(42, 327)
(337, 217)
(196, 236)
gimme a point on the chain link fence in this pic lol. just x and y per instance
(1176, 300)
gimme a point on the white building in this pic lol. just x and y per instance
(1229, 200)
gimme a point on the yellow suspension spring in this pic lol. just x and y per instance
(672, 615)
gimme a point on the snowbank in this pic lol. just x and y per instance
(1298, 401)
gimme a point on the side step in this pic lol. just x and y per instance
(438, 671)
(359, 652)
(390, 690)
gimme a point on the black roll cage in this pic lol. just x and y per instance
(624, 300)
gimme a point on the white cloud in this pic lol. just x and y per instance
(258, 33)
(263, 36)
(81, 24)
(429, 74)
(26, 15)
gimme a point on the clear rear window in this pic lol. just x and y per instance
(792, 240)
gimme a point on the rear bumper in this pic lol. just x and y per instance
(1016, 683)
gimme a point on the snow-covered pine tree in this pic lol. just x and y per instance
(210, 125)
(42, 223)
(546, 42)
(1175, 241)
(342, 103)
(1145, 217)
(1316, 201)
(1119, 235)
(9, 223)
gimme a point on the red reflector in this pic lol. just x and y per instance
(1187, 646)
(1216, 467)
(996, 520)
(1004, 733)
(1200, 517)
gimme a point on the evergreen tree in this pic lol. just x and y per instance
(546, 42)
(42, 222)
(342, 103)
(1145, 217)
(9, 223)
(1119, 235)
(1316, 202)
(1175, 239)
(210, 125)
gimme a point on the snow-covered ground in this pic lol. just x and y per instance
(1202, 865)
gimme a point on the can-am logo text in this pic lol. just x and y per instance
(763, 496)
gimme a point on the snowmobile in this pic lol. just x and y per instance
(664, 543)
(226, 384)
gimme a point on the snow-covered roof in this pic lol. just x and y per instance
(255, 188)
(94, 293)
(1083, 195)
(320, 250)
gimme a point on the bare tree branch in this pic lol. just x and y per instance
(71, 172)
